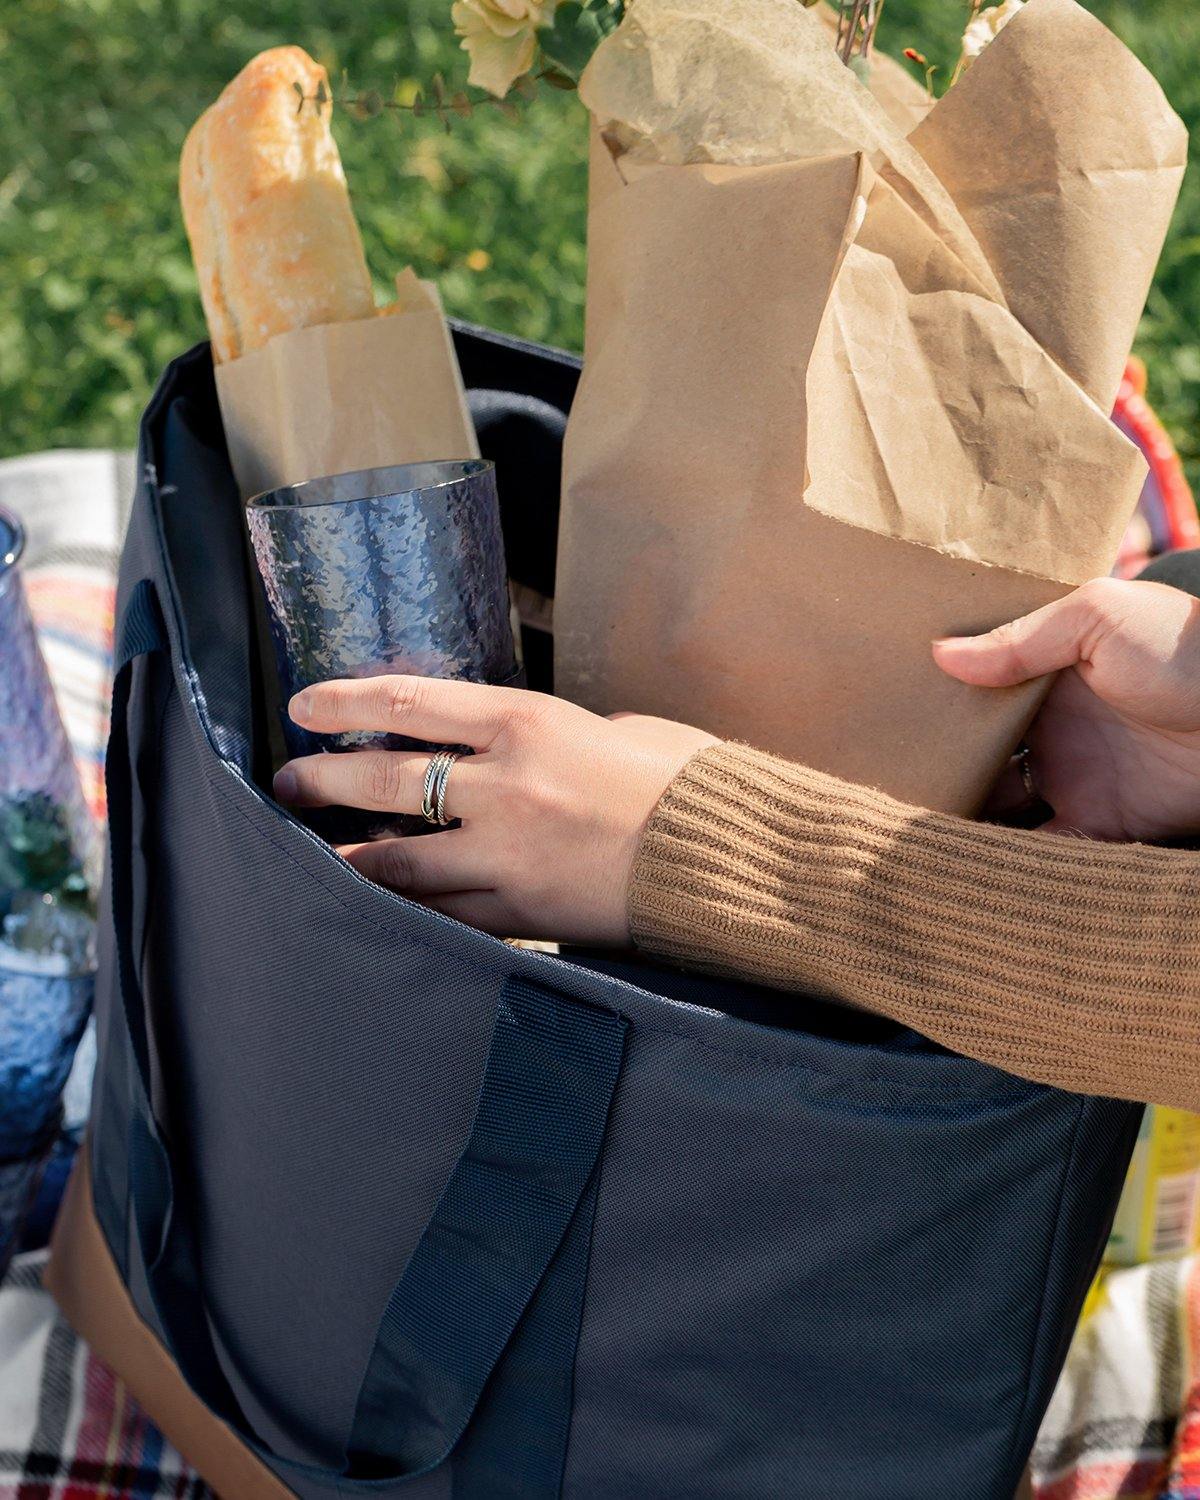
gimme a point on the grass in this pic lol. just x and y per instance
(96, 286)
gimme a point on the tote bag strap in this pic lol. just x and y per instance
(525, 1178)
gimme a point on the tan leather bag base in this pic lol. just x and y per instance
(82, 1278)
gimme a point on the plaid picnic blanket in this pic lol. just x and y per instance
(1166, 516)
(69, 1429)
(1124, 1423)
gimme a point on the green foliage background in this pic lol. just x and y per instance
(96, 285)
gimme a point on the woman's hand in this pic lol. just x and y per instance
(552, 804)
(1115, 750)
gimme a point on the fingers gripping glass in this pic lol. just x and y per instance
(384, 570)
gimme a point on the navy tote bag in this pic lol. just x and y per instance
(416, 1213)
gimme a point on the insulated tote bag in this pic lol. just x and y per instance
(375, 1204)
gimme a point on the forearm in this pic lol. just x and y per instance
(1070, 962)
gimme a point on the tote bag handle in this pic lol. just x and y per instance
(524, 1180)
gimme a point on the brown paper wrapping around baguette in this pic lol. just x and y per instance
(359, 395)
(809, 438)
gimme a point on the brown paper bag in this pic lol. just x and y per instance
(361, 395)
(809, 439)
(1071, 192)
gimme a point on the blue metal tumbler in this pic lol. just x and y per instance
(384, 570)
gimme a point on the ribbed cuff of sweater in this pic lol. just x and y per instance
(1060, 959)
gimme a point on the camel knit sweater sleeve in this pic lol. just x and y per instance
(1063, 960)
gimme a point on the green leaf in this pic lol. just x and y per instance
(576, 33)
(35, 845)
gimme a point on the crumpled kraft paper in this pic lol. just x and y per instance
(360, 395)
(1065, 160)
(810, 436)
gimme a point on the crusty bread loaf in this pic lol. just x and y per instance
(264, 199)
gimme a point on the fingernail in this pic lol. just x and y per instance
(300, 708)
(286, 786)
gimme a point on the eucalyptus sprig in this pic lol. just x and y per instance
(436, 100)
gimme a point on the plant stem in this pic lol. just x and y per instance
(858, 21)
(976, 7)
(875, 26)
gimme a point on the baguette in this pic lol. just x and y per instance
(267, 212)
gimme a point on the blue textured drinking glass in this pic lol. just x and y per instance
(384, 570)
(47, 919)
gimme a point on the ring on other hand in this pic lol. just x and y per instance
(1025, 769)
(433, 793)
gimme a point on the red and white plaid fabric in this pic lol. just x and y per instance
(1124, 1423)
(69, 1429)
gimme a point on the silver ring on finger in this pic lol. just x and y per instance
(433, 791)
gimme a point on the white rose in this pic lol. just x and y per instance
(987, 25)
(500, 37)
